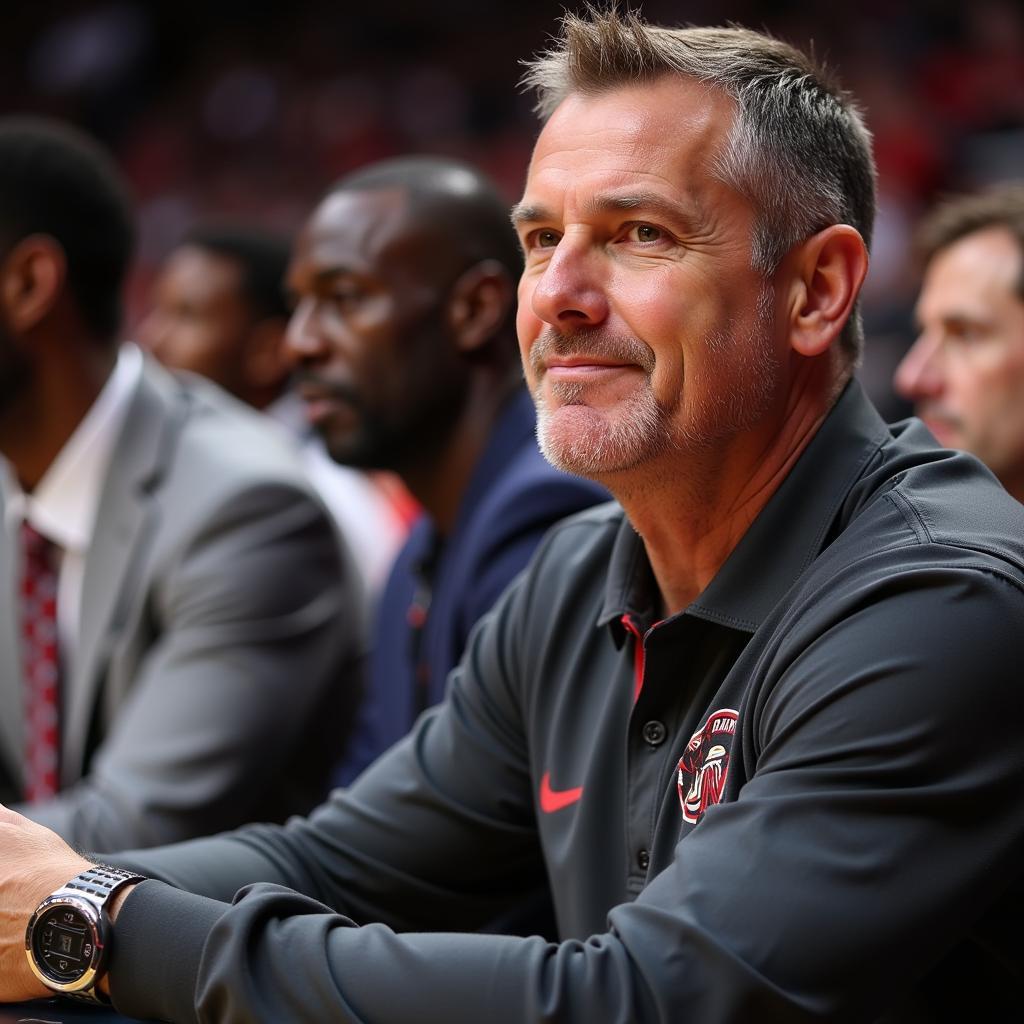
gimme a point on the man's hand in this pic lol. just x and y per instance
(33, 862)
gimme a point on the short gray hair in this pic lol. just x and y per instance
(798, 150)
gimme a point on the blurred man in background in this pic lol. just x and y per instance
(403, 340)
(179, 626)
(965, 372)
(219, 309)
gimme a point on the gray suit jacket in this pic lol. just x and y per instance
(220, 640)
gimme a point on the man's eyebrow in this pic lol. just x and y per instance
(525, 213)
(323, 276)
(326, 273)
(528, 213)
(319, 278)
(643, 199)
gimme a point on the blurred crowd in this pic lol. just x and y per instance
(248, 111)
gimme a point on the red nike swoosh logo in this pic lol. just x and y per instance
(552, 800)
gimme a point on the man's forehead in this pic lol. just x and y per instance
(658, 136)
(200, 272)
(355, 226)
(986, 264)
(194, 260)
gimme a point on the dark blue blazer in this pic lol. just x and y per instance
(439, 587)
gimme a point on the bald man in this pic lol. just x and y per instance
(404, 349)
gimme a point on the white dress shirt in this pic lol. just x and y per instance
(64, 504)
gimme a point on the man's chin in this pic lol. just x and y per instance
(581, 440)
(945, 432)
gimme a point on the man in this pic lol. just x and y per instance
(404, 352)
(179, 631)
(753, 732)
(965, 372)
(219, 309)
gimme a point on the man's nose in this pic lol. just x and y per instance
(303, 341)
(920, 373)
(152, 332)
(571, 292)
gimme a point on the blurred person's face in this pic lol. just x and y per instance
(372, 351)
(199, 319)
(965, 372)
(642, 326)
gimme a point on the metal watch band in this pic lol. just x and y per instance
(98, 883)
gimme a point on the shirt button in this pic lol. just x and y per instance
(654, 734)
(643, 860)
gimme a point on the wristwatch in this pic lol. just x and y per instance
(67, 941)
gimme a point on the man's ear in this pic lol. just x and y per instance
(31, 280)
(827, 271)
(480, 301)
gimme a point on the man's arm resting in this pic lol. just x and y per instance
(159, 936)
(882, 818)
(276, 955)
(33, 863)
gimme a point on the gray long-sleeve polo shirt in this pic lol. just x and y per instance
(801, 798)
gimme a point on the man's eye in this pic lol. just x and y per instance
(963, 333)
(545, 238)
(345, 296)
(647, 233)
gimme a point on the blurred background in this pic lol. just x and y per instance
(248, 111)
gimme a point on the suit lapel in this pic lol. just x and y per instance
(11, 679)
(125, 519)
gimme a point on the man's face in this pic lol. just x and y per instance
(200, 318)
(642, 326)
(373, 359)
(965, 372)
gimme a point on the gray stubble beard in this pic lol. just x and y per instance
(644, 430)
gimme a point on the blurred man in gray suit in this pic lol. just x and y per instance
(179, 623)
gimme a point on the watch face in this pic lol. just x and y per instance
(64, 944)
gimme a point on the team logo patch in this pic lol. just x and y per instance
(705, 764)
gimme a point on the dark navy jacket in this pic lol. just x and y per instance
(439, 587)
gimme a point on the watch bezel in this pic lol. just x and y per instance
(94, 920)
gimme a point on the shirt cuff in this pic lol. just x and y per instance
(158, 943)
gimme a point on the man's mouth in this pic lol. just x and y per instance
(589, 355)
(584, 367)
(320, 400)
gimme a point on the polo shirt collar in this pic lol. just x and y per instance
(790, 531)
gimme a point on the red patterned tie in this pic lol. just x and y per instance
(40, 661)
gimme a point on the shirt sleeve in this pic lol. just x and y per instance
(882, 815)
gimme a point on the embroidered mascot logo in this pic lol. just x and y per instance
(705, 764)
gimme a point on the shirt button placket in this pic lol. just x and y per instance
(654, 733)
